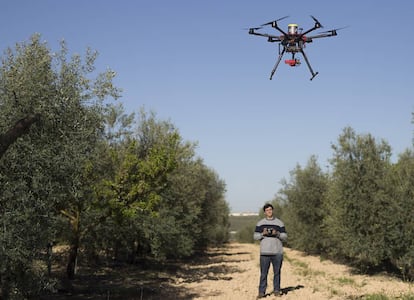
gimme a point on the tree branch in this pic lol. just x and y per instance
(20, 128)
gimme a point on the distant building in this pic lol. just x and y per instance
(243, 214)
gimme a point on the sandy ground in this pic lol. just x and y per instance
(233, 273)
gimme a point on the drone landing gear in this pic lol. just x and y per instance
(293, 62)
(313, 75)
(309, 66)
(277, 62)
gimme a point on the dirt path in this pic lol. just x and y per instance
(234, 274)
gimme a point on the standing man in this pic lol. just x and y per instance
(271, 232)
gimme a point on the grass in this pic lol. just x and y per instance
(379, 296)
(303, 268)
(375, 297)
(345, 281)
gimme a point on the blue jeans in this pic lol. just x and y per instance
(265, 261)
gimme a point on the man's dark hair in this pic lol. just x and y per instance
(267, 206)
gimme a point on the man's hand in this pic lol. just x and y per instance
(270, 232)
(275, 233)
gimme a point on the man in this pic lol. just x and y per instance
(271, 232)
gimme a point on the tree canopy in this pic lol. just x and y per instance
(360, 211)
(76, 169)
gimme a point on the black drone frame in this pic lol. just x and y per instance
(293, 43)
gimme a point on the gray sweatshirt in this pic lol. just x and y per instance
(270, 244)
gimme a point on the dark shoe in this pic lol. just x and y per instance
(278, 293)
(261, 296)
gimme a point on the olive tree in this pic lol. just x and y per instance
(360, 210)
(42, 170)
(304, 196)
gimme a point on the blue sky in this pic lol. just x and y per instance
(192, 63)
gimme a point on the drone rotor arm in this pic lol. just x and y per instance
(309, 30)
(317, 23)
(322, 35)
(275, 26)
(275, 21)
(316, 26)
(271, 38)
(328, 33)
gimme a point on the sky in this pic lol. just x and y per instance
(194, 64)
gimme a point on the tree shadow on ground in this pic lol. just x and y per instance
(157, 281)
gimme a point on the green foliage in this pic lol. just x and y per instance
(156, 199)
(80, 174)
(196, 200)
(245, 233)
(242, 228)
(238, 222)
(361, 212)
(360, 209)
(402, 181)
(42, 172)
(303, 212)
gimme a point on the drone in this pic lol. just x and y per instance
(293, 41)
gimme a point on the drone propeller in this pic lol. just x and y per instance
(271, 22)
(253, 28)
(318, 24)
(334, 30)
